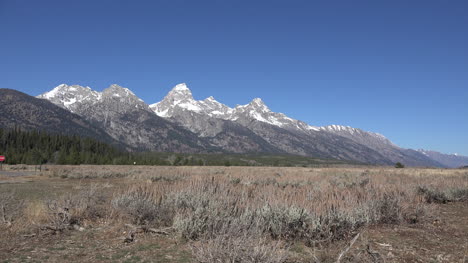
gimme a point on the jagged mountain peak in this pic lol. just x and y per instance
(62, 90)
(180, 99)
(258, 101)
(77, 98)
(212, 102)
(181, 87)
(115, 90)
(127, 99)
(179, 93)
(256, 104)
(67, 96)
(259, 104)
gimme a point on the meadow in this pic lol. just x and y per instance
(92, 213)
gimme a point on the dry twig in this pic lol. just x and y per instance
(347, 249)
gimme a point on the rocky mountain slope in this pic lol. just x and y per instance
(181, 123)
(290, 135)
(126, 118)
(29, 113)
(449, 160)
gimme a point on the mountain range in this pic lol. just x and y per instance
(179, 123)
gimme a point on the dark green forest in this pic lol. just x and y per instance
(38, 147)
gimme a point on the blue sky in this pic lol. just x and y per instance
(399, 68)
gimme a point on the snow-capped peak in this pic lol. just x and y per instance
(67, 96)
(63, 89)
(181, 87)
(76, 98)
(116, 87)
(259, 104)
(54, 92)
(179, 92)
(115, 90)
(179, 97)
(125, 95)
(256, 105)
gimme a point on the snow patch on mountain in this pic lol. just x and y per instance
(68, 96)
(180, 98)
(181, 87)
(76, 96)
(351, 132)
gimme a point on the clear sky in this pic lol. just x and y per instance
(399, 68)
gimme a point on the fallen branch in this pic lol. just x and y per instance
(347, 249)
(53, 228)
(145, 229)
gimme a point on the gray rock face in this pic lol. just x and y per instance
(126, 118)
(257, 110)
(72, 98)
(180, 99)
(180, 107)
(29, 113)
(204, 117)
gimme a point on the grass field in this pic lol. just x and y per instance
(233, 214)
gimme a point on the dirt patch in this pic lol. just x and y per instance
(445, 239)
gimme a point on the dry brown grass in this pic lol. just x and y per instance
(223, 209)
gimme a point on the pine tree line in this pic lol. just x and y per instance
(38, 147)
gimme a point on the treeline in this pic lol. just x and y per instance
(37, 147)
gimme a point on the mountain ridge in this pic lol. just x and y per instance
(29, 113)
(252, 127)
